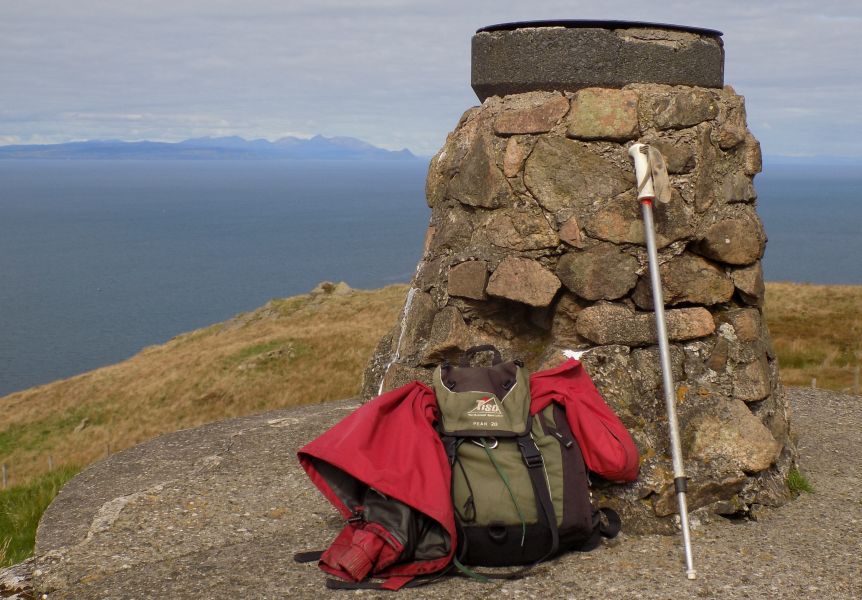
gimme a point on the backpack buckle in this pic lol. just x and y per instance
(534, 462)
(530, 452)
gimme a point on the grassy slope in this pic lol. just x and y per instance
(817, 332)
(299, 350)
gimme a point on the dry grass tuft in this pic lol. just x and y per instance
(817, 332)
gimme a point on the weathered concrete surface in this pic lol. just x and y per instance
(218, 511)
(530, 58)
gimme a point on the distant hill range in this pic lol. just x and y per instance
(208, 148)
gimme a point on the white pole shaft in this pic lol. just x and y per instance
(667, 381)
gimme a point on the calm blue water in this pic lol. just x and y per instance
(101, 258)
(813, 218)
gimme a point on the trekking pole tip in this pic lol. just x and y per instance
(691, 573)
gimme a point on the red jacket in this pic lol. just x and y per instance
(608, 449)
(390, 445)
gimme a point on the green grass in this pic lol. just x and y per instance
(40, 433)
(21, 507)
(798, 483)
(268, 354)
(258, 349)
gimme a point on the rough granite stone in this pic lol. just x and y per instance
(617, 324)
(677, 108)
(468, 279)
(749, 283)
(707, 174)
(514, 156)
(478, 181)
(535, 118)
(449, 334)
(678, 153)
(562, 173)
(686, 279)
(445, 164)
(752, 157)
(738, 187)
(455, 232)
(570, 233)
(399, 374)
(565, 317)
(599, 113)
(417, 324)
(520, 229)
(523, 280)
(731, 433)
(619, 220)
(601, 272)
(736, 241)
(732, 129)
(751, 380)
(747, 323)
(717, 360)
(715, 493)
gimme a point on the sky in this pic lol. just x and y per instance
(395, 73)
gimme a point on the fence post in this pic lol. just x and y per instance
(5, 475)
(814, 383)
(50, 463)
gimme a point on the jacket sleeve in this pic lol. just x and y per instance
(388, 444)
(384, 468)
(606, 444)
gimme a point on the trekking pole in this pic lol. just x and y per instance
(647, 194)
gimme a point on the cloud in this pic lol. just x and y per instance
(394, 72)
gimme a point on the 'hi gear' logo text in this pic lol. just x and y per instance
(486, 407)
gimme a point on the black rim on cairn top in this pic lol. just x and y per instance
(567, 55)
(597, 24)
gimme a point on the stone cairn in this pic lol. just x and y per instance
(536, 245)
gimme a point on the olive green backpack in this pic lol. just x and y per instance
(520, 488)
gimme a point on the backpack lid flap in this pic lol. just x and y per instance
(483, 401)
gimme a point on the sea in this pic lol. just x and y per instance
(101, 258)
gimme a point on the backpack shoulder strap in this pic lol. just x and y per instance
(536, 469)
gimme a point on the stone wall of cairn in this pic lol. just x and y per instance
(536, 245)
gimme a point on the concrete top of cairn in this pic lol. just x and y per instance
(512, 58)
(218, 512)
